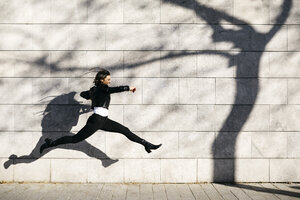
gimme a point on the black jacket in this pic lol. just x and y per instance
(100, 95)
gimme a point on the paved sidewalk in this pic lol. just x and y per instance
(213, 191)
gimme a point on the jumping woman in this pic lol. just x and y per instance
(99, 94)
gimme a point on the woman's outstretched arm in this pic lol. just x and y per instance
(111, 90)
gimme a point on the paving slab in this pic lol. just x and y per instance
(159, 192)
(198, 192)
(225, 192)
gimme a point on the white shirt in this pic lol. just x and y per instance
(101, 111)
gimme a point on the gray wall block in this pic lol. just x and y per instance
(146, 170)
(278, 43)
(293, 147)
(37, 12)
(142, 64)
(275, 9)
(22, 143)
(284, 64)
(110, 60)
(51, 91)
(7, 59)
(189, 37)
(284, 118)
(7, 116)
(196, 144)
(25, 64)
(165, 89)
(7, 139)
(294, 38)
(15, 37)
(181, 12)
(75, 12)
(269, 144)
(57, 37)
(124, 37)
(148, 118)
(16, 91)
(112, 173)
(214, 65)
(6, 174)
(205, 170)
(31, 118)
(69, 170)
(257, 11)
(182, 170)
(86, 37)
(223, 170)
(225, 6)
(38, 171)
(252, 170)
(197, 90)
(206, 118)
(283, 170)
(183, 65)
(232, 145)
(293, 93)
(247, 62)
(111, 11)
(178, 118)
(145, 11)
(66, 64)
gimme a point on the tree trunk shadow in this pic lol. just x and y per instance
(246, 38)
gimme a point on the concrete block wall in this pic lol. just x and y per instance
(217, 84)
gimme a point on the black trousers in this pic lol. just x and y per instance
(97, 122)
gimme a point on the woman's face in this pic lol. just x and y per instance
(106, 80)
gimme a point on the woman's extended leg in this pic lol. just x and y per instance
(113, 126)
(84, 133)
(91, 127)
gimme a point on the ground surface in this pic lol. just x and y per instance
(213, 191)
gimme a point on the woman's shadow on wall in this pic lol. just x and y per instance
(58, 121)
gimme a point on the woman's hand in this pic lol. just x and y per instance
(132, 89)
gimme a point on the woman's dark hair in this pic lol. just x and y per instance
(101, 75)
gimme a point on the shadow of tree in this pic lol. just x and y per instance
(245, 38)
(58, 121)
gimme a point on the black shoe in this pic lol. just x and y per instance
(148, 146)
(46, 145)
